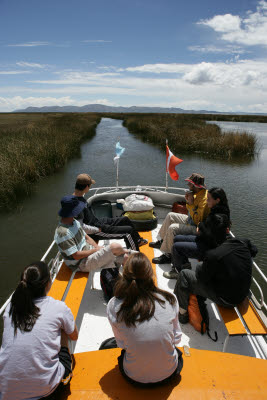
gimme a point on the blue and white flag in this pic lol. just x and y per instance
(119, 152)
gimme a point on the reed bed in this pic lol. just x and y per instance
(32, 148)
(188, 133)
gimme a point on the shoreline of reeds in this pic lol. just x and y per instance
(189, 133)
(32, 148)
(35, 145)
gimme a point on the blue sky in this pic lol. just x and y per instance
(190, 54)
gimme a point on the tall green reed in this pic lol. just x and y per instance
(37, 149)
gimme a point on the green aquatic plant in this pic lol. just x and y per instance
(33, 148)
(189, 133)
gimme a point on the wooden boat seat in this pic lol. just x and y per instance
(206, 375)
(60, 283)
(252, 318)
(242, 320)
(76, 290)
(75, 293)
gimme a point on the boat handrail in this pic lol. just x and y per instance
(136, 188)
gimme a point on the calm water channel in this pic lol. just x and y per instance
(26, 233)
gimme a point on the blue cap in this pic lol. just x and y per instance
(71, 206)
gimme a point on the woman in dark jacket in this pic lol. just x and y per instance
(218, 204)
(195, 246)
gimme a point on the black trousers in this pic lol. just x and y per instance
(188, 283)
(118, 228)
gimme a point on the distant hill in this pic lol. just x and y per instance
(101, 108)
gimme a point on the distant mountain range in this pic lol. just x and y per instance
(109, 109)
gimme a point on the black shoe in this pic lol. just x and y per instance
(184, 318)
(142, 242)
(156, 245)
(163, 259)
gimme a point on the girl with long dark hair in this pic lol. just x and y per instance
(34, 357)
(207, 237)
(217, 201)
(145, 323)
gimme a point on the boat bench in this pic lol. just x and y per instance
(206, 375)
(69, 286)
(243, 320)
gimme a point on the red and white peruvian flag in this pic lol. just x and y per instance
(171, 162)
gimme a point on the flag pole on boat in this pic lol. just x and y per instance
(119, 151)
(166, 188)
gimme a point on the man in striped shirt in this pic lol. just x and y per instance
(76, 247)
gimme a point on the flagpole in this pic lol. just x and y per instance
(117, 178)
(166, 171)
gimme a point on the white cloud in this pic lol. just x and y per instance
(105, 102)
(30, 65)
(158, 68)
(96, 41)
(250, 30)
(223, 23)
(78, 78)
(29, 44)
(228, 49)
(233, 74)
(13, 72)
(236, 85)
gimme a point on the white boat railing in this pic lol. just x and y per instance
(137, 188)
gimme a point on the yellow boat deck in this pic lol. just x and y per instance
(205, 375)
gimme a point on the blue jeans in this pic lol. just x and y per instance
(184, 247)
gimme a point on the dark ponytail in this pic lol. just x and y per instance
(33, 281)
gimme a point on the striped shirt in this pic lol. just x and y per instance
(70, 239)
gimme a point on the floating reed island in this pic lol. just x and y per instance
(33, 146)
(189, 133)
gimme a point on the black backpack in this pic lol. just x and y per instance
(205, 317)
(108, 278)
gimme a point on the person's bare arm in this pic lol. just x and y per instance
(189, 198)
(74, 335)
(91, 241)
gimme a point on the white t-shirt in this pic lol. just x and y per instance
(150, 346)
(29, 363)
